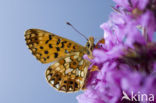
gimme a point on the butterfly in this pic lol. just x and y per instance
(69, 71)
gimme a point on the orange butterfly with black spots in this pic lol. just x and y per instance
(70, 70)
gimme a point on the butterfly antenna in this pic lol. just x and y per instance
(77, 30)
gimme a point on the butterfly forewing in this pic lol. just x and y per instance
(47, 47)
(68, 74)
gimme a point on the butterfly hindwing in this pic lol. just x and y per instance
(47, 47)
(68, 74)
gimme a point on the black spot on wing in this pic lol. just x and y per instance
(41, 47)
(33, 31)
(50, 46)
(74, 47)
(69, 45)
(58, 41)
(74, 63)
(65, 81)
(55, 55)
(47, 41)
(71, 82)
(44, 59)
(50, 37)
(57, 48)
(63, 43)
(46, 52)
(76, 85)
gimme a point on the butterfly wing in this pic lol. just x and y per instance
(69, 73)
(48, 47)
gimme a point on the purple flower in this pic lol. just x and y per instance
(130, 4)
(127, 60)
(148, 21)
(139, 12)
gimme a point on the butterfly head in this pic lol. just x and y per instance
(90, 45)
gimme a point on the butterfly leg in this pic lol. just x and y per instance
(94, 68)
